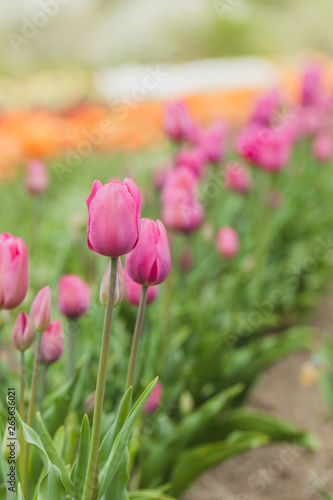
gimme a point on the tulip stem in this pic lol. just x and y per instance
(21, 407)
(91, 483)
(72, 347)
(136, 337)
(43, 387)
(30, 417)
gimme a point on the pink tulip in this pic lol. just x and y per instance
(212, 142)
(14, 273)
(23, 333)
(192, 158)
(133, 291)
(237, 178)
(265, 107)
(73, 296)
(120, 286)
(309, 120)
(311, 86)
(180, 178)
(36, 180)
(268, 148)
(227, 242)
(149, 262)
(53, 343)
(322, 147)
(154, 399)
(40, 311)
(178, 122)
(182, 211)
(114, 218)
(181, 208)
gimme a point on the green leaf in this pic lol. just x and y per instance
(83, 457)
(59, 440)
(123, 409)
(51, 486)
(276, 428)
(20, 495)
(58, 402)
(247, 362)
(193, 462)
(110, 468)
(149, 494)
(118, 486)
(164, 454)
(53, 455)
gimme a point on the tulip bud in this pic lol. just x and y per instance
(52, 345)
(149, 262)
(178, 122)
(133, 291)
(227, 242)
(120, 285)
(40, 312)
(14, 273)
(10, 444)
(23, 333)
(89, 403)
(114, 201)
(154, 399)
(73, 296)
(237, 178)
(36, 180)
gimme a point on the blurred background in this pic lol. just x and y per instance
(54, 47)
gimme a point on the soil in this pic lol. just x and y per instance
(278, 471)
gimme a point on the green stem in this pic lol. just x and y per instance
(42, 388)
(72, 347)
(90, 482)
(21, 407)
(30, 417)
(136, 337)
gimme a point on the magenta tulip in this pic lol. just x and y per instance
(182, 211)
(40, 311)
(267, 148)
(14, 273)
(73, 296)
(311, 86)
(323, 147)
(192, 158)
(237, 177)
(133, 291)
(120, 286)
(212, 142)
(178, 122)
(36, 180)
(149, 262)
(53, 343)
(265, 107)
(227, 242)
(154, 400)
(23, 333)
(114, 218)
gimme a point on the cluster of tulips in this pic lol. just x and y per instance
(115, 229)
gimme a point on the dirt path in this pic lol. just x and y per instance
(278, 472)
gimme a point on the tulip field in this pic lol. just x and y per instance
(143, 293)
